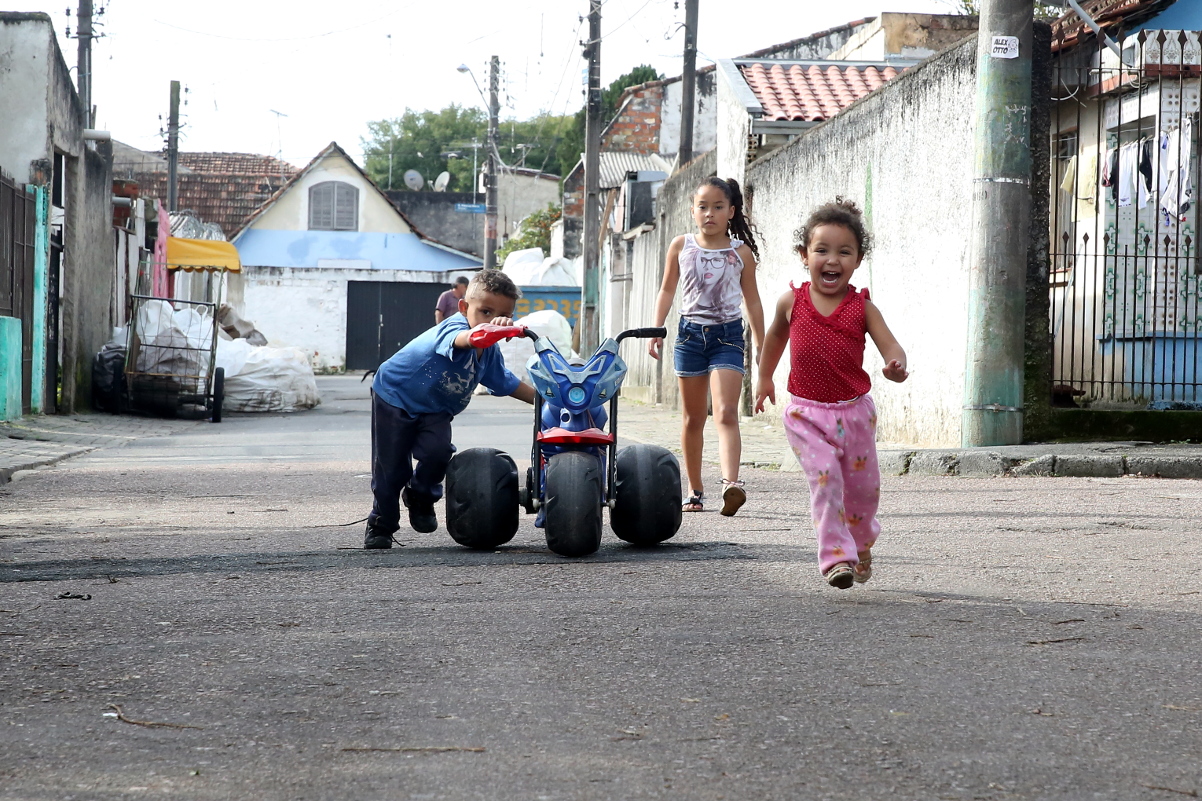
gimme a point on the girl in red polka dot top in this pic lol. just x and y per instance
(830, 419)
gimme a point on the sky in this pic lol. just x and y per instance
(287, 78)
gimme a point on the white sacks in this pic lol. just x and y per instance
(263, 379)
(548, 323)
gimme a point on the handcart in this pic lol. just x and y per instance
(171, 364)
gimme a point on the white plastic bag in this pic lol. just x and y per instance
(262, 379)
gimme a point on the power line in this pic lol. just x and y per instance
(392, 13)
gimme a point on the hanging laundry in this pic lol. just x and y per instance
(1176, 190)
(1087, 187)
(1110, 171)
(1128, 162)
(1144, 169)
(1070, 176)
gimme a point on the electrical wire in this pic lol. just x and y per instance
(392, 13)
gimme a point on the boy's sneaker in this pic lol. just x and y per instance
(841, 576)
(421, 511)
(375, 540)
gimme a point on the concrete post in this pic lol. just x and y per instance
(591, 292)
(173, 150)
(688, 84)
(993, 381)
(83, 60)
(490, 185)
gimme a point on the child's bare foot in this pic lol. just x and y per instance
(863, 570)
(840, 576)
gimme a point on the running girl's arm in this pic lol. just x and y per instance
(751, 299)
(667, 291)
(775, 342)
(886, 343)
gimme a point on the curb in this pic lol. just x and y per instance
(7, 471)
(991, 463)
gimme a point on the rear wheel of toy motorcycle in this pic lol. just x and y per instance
(482, 498)
(646, 495)
(573, 502)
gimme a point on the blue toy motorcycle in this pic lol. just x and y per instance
(574, 470)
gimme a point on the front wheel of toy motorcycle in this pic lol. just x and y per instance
(646, 495)
(573, 503)
(482, 498)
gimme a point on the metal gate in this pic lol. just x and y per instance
(1125, 313)
(384, 316)
(17, 221)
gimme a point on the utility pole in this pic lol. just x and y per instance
(590, 328)
(490, 185)
(83, 60)
(993, 380)
(688, 90)
(173, 149)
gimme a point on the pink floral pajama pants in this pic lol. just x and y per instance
(836, 445)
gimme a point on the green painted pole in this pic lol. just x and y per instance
(41, 256)
(993, 381)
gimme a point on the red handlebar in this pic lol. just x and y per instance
(482, 336)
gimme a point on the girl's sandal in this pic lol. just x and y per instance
(840, 576)
(863, 570)
(695, 503)
(733, 497)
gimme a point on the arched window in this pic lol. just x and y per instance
(333, 206)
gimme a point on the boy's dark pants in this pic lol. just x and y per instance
(398, 437)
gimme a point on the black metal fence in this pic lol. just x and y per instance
(1124, 280)
(17, 232)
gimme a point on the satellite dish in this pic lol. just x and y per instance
(440, 183)
(414, 180)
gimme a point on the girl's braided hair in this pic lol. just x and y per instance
(740, 227)
(842, 211)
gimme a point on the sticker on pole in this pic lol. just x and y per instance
(1004, 47)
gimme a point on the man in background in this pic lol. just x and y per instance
(448, 302)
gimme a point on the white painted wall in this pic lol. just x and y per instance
(705, 120)
(24, 73)
(291, 211)
(733, 124)
(905, 156)
(275, 298)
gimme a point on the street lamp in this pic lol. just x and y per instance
(490, 182)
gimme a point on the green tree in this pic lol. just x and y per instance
(1044, 11)
(533, 232)
(418, 140)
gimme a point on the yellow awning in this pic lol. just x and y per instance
(205, 255)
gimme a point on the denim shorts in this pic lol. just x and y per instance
(702, 348)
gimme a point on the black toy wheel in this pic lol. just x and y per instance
(646, 495)
(482, 498)
(573, 500)
(218, 393)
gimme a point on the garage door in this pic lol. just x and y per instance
(384, 316)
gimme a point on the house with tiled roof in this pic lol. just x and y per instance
(647, 121)
(332, 267)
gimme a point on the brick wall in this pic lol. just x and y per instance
(636, 127)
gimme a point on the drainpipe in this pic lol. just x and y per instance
(1097, 29)
(993, 380)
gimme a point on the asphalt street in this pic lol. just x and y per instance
(191, 616)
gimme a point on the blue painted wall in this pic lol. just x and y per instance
(1184, 15)
(263, 248)
(41, 250)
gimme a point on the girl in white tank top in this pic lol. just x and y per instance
(715, 270)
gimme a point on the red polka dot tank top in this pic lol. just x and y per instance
(828, 352)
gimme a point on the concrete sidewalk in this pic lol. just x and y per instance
(40, 440)
(764, 445)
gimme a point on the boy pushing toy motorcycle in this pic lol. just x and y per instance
(415, 396)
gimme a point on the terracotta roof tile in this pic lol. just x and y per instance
(811, 92)
(221, 188)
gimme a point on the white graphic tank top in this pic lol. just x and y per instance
(711, 292)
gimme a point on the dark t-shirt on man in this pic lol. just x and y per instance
(448, 304)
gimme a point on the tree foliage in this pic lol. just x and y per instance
(433, 141)
(573, 140)
(533, 232)
(1044, 11)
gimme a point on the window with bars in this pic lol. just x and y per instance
(333, 206)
